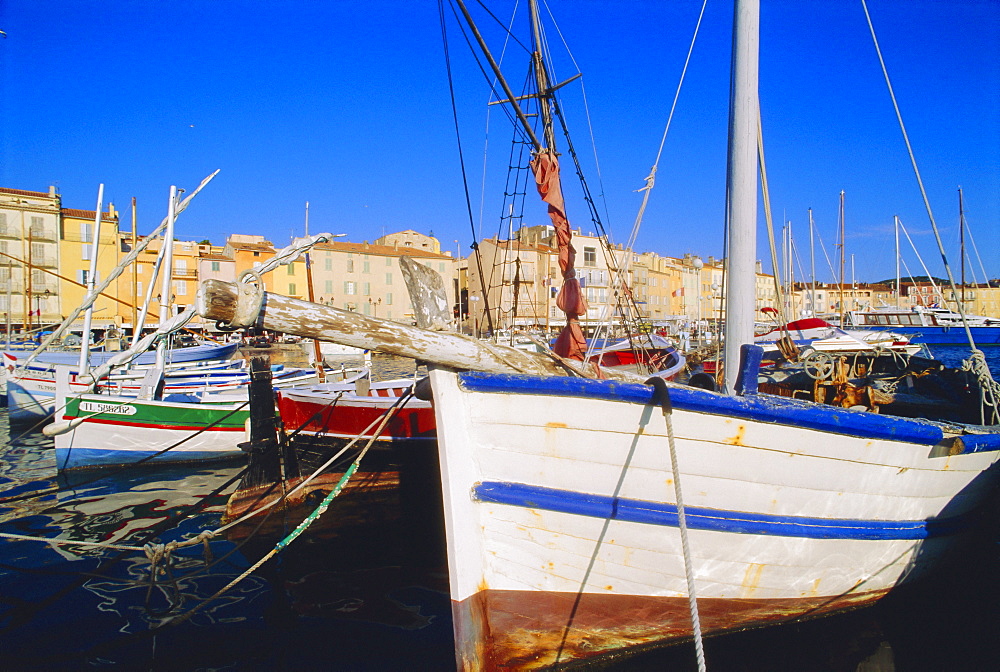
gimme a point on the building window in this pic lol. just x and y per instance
(590, 256)
(365, 267)
(388, 278)
(256, 254)
(84, 252)
(388, 261)
(37, 227)
(388, 298)
(291, 270)
(180, 288)
(291, 289)
(216, 266)
(328, 286)
(350, 265)
(350, 287)
(3, 224)
(328, 263)
(138, 289)
(366, 289)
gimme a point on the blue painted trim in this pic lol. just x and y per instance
(737, 522)
(760, 408)
(980, 443)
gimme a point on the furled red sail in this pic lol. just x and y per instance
(571, 342)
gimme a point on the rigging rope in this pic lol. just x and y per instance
(920, 182)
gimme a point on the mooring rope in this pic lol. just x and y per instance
(309, 520)
(662, 395)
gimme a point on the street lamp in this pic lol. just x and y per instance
(39, 298)
(374, 305)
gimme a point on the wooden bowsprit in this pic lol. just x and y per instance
(242, 305)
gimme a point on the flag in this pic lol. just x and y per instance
(678, 292)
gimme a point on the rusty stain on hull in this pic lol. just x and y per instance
(526, 630)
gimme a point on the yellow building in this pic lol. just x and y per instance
(76, 243)
(29, 233)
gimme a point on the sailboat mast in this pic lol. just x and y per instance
(741, 179)
(500, 78)
(168, 272)
(841, 218)
(812, 263)
(542, 78)
(84, 363)
(895, 222)
(317, 353)
(961, 238)
(135, 275)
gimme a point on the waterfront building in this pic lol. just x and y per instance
(76, 249)
(29, 234)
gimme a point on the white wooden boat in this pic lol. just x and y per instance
(568, 535)
(105, 430)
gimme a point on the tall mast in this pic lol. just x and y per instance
(841, 217)
(27, 282)
(542, 78)
(961, 238)
(741, 179)
(317, 353)
(168, 273)
(135, 275)
(812, 263)
(895, 226)
(88, 316)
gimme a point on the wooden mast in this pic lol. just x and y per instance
(317, 353)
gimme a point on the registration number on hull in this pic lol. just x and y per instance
(99, 407)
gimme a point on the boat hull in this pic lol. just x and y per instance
(118, 431)
(562, 525)
(336, 412)
(945, 335)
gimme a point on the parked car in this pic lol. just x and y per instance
(259, 342)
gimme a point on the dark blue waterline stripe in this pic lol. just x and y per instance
(761, 408)
(738, 522)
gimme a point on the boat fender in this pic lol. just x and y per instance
(422, 390)
(702, 380)
(57, 428)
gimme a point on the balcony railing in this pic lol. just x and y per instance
(42, 233)
(44, 261)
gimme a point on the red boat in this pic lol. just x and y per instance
(338, 411)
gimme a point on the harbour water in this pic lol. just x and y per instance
(353, 599)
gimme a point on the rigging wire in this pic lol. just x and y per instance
(920, 182)
(461, 154)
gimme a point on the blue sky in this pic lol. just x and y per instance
(346, 105)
